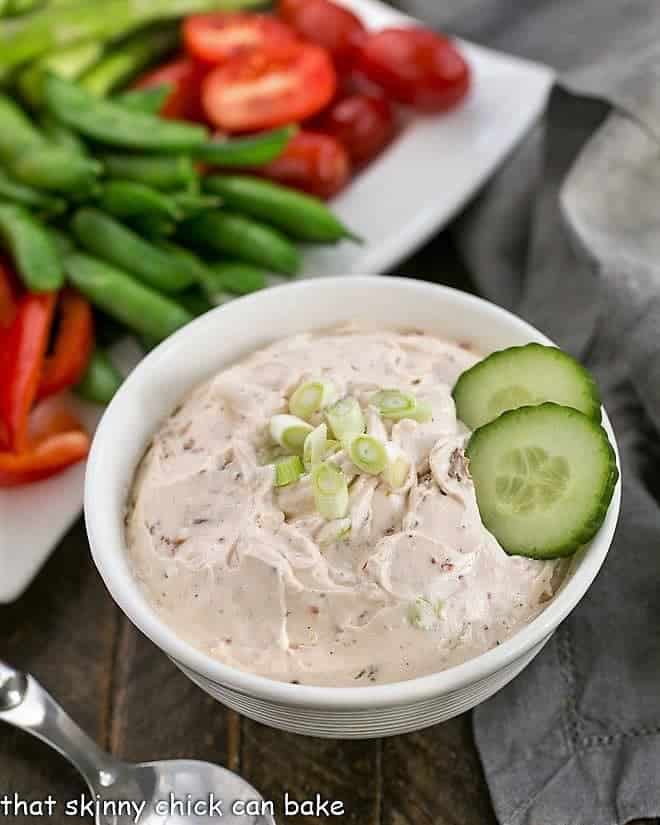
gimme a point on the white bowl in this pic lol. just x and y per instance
(219, 339)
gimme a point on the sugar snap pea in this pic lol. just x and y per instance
(32, 249)
(301, 216)
(15, 192)
(55, 28)
(111, 123)
(190, 203)
(195, 301)
(70, 62)
(103, 236)
(244, 239)
(234, 277)
(250, 151)
(101, 379)
(167, 173)
(61, 135)
(153, 227)
(128, 57)
(17, 132)
(133, 304)
(126, 199)
(149, 100)
(56, 169)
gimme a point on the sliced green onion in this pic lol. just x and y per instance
(397, 470)
(311, 397)
(288, 470)
(423, 614)
(367, 453)
(345, 418)
(396, 404)
(330, 490)
(318, 447)
(335, 530)
(290, 432)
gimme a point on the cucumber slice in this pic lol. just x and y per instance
(524, 376)
(544, 478)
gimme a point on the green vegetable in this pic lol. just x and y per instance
(153, 227)
(138, 307)
(311, 397)
(233, 277)
(69, 62)
(244, 239)
(126, 199)
(396, 405)
(167, 173)
(32, 249)
(129, 57)
(249, 151)
(333, 531)
(330, 489)
(56, 169)
(288, 470)
(190, 204)
(113, 124)
(299, 215)
(15, 8)
(345, 418)
(111, 241)
(15, 192)
(59, 27)
(367, 453)
(544, 477)
(149, 100)
(318, 447)
(101, 379)
(63, 242)
(289, 432)
(61, 135)
(520, 376)
(18, 133)
(398, 469)
(194, 301)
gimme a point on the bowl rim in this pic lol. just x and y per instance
(127, 595)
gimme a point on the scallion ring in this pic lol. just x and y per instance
(330, 489)
(288, 470)
(367, 453)
(345, 418)
(396, 405)
(311, 397)
(290, 432)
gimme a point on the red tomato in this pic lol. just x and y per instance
(185, 76)
(270, 88)
(325, 23)
(215, 38)
(417, 67)
(364, 124)
(315, 163)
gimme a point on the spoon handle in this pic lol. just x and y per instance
(27, 706)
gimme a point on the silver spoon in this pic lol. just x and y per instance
(152, 787)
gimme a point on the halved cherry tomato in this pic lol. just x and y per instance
(269, 88)
(364, 124)
(22, 354)
(417, 67)
(73, 345)
(325, 23)
(215, 38)
(315, 163)
(185, 76)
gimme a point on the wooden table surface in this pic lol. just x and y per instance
(67, 632)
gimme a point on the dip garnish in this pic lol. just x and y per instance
(330, 489)
(345, 418)
(367, 453)
(395, 405)
(290, 432)
(311, 397)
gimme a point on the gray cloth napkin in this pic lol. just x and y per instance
(568, 235)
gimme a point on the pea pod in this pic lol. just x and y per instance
(15, 8)
(249, 151)
(55, 28)
(101, 379)
(153, 227)
(167, 173)
(234, 277)
(150, 100)
(129, 57)
(70, 62)
(244, 239)
(190, 204)
(32, 249)
(15, 192)
(301, 216)
(111, 123)
(61, 135)
(127, 199)
(195, 301)
(133, 304)
(56, 169)
(63, 242)
(110, 240)
(17, 132)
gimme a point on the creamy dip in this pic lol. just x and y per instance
(244, 571)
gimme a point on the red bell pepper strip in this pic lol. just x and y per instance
(73, 345)
(8, 294)
(22, 353)
(59, 443)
